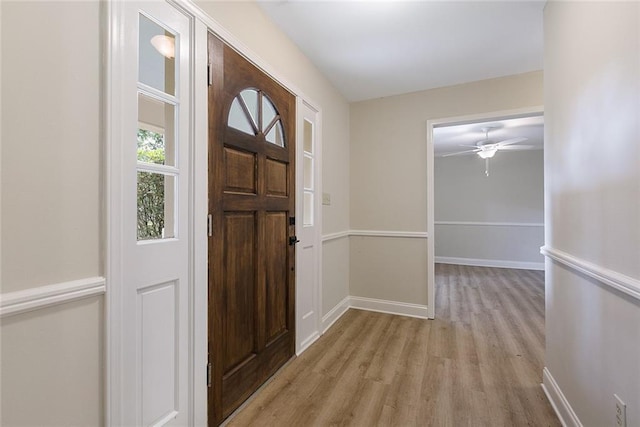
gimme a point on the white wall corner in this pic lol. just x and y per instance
(560, 404)
(334, 314)
(390, 307)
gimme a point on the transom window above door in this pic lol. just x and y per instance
(253, 113)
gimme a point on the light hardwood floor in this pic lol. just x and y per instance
(479, 363)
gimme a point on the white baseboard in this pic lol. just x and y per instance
(520, 265)
(390, 307)
(307, 343)
(46, 296)
(560, 404)
(334, 314)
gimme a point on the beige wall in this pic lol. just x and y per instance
(50, 143)
(274, 47)
(389, 169)
(592, 161)
(52, 363)
(512, 193)
(52, 359)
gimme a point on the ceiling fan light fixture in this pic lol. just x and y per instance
(488, 153)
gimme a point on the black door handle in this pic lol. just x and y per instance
(293, 240)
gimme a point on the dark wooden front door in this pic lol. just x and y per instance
(251, 201)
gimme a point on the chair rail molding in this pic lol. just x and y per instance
(621, 282)
(45, 296)
(490, 224)
(375, 233)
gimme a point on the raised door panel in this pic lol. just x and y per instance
(239, 288)
(276, 274)
(277, 184)
(240, 171)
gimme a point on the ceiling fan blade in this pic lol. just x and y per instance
(518, 147)
(460, 152)
(510, 141)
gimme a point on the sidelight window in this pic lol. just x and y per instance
(156, 145)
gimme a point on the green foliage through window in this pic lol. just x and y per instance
(150, 147)
(151, 187)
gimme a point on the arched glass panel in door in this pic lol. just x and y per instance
(253, 113)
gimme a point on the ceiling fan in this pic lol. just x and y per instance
(488, 148)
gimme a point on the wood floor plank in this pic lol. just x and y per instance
(479, 363)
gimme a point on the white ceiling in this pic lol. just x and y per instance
(371, 49)
(449, 139)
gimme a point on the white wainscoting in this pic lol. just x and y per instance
(520, 265)
(45, 296)
(626, 284)
(560, 404)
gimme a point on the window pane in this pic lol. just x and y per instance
(250, 97)
(268, 112)
(156, 132)
(156, 195)
(308, 172)
(275, 135)
(238, 118)
(156, 57)
(308, 209)
(308, 137)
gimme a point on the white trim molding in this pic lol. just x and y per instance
(375, 233)
(389, 307)
(560, 404)
(307, 342)
(490, 224)
(335, 236)
(334, 314)
(383, 233)
(621, 282)
(49, 295)
(497, 263)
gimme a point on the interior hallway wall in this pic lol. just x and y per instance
(389, 176)
(592, 206)
(51, 359)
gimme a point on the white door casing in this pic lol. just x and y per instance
(308, 226)
(149, 284)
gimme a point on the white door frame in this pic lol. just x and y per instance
(450, 121)
(198, 176)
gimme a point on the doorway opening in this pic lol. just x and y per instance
(485, 191)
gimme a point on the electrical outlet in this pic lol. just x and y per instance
(621, 412)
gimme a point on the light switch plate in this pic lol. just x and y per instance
(326, 199)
